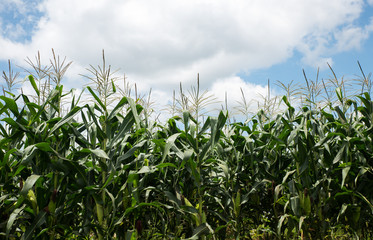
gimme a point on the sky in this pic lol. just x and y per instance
(159, 44)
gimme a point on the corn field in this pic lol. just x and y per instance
(105, 170)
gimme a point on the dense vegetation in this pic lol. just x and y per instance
(105, 170)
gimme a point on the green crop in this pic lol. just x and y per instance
(105, 170)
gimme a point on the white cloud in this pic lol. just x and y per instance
(316, 48)
(161, 43)
(230, 89)
(15, 31)
(350, 37)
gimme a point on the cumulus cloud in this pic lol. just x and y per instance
(229, 87)
(163, 42)
(351, 37)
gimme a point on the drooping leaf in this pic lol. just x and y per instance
(118, 108)
(29, 183)
(10, 104)
(12, 219)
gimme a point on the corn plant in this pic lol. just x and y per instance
(105, 170)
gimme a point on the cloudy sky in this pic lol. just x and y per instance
(160, 43)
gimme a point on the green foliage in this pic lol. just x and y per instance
(103, 171)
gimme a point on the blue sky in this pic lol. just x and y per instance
(344, 63)
(157, 44)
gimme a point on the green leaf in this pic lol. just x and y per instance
(110, 177)
(12, 218)
(344, 174)
(113, 86)
(366, 201)
(301, 220)
(172, 198)
(99, 153)
(33, 84)
(288, 173)
(94, 118)
(39, 220)
(362, 171)
(339, 155)
(137, 206)
(280, 223)
(118, 108)
(342, 210)
(7, 155)
(295, 205)
(125, 126)
(11, 104)
(169, 143)
(14, 124)
(3, 131)
(130, 152)
(42, 108)
(339, 93)
(201, 230)
(147, 169)
(196, 175)
(96, 98)
(131, 235)
(29, 183)
(163, 165)
(224, 166)
(341, 115)
(135, 109)
(67, 118)
(44, 147)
